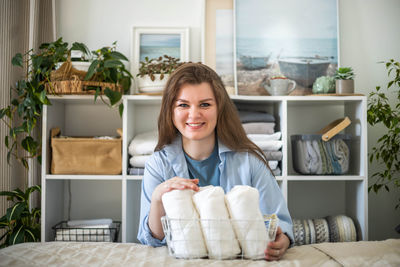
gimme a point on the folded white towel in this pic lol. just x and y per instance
(272, 145)
(139, 161)
(273, 164)
(186, 236)
(265, 137)
(90, 222)
(217, 229)
(248, 222)
(143, 144)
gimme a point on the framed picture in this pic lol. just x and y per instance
(218, 49)
(284, 38)
(154, 42)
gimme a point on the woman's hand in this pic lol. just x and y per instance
(276, 249)
(173, 184)
(156, 206)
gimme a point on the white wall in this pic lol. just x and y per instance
(368, 33)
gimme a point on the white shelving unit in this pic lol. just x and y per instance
(118, 196)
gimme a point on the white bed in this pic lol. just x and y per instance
(364, 253)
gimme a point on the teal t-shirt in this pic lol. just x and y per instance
(207, 171)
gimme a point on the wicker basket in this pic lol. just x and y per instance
(67, 81)
(78, 87)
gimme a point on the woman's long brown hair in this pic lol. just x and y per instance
(229, 129)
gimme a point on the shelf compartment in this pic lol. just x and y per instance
(318, 199)
(80, 199)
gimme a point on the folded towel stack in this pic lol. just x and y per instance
(140, 149)
(259, 127)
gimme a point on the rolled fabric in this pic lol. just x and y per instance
(217, 229)
(139, 161)
(247, 220)
(143, 144)
(265, 137)
(186, 239)
(342, 152)
(259, 127)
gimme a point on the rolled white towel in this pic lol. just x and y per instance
(265, 137)
(186, 237)
(248, 222)
(217, 229)
(139, 161)
(143, 144)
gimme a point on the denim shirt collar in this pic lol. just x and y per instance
(177, 159)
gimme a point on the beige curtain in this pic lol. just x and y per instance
(25, 24)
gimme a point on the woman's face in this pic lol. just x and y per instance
(195, 112)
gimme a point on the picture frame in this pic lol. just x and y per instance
(154, 42)
(218, 40)
(282, 39)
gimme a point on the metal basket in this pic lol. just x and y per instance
(63, 232)
(253, 234)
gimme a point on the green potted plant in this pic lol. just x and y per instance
(381, 111)
(344, 80)
(21, 223)
(107, 66)
(153, 73)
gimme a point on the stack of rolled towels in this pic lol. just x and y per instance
(140, 149)
(93, 230)
(259, 126)
(339, 228)
(210, 223)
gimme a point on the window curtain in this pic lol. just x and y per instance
(25, 24)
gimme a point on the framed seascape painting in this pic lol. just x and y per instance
(219, 39)
(295, 40)
(154, 42)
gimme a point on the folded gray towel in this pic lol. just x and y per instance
(273, 155)
(254, 116)
(251, 107)
(259, 127)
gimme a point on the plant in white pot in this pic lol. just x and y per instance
(344, 80)
(153, 73)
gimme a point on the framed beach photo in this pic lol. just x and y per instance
(152, 42)
(285, 39)
(218, 50)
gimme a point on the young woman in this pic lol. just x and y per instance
(202, 142)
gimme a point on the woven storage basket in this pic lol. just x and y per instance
(67, 80)
(85, 155)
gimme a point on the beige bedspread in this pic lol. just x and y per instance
(371, 253)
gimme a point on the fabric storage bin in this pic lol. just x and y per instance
(85, 155)
(324, 153)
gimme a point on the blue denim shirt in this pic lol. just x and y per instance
(236, 168)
